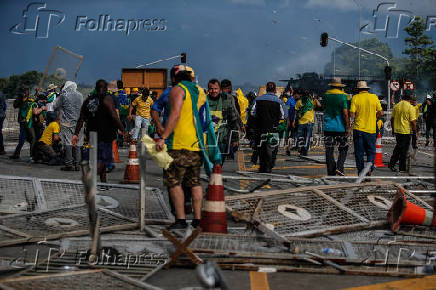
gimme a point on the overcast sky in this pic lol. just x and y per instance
(243, 40)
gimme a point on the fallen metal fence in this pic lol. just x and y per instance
(314, 211)
(26, 194)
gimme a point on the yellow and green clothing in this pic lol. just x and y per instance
(143, 107)
(26, 111)
(47, 136)
(365, 106)
(306, 112)
(194, 130)
(403, 114)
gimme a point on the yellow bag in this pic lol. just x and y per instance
(162, 158)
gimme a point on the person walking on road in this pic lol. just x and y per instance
(98, 111)
(184, 136)
(143, 105)
(305, 117)
(365, 109)
(429, 112)
(267, 111)
(403, 122)
(69, 103)
(336, 126)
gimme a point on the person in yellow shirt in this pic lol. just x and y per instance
(44, 151)
(365, 108)
(305, 114)
(417, 108)
(403, 121)
(143, 105)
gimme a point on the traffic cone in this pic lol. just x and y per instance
(213, 219)
(378, 162)
(115, 151)
(131, 174)
(408, 213)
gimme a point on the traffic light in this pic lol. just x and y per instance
(388, 72)
(324, 39)
(183, 57)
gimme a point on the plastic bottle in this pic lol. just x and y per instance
(331, 251)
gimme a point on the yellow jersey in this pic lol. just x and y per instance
(309, 116)
(143, 107)
(47, 135)
(365, 106)
(403, 114)
(184, 135)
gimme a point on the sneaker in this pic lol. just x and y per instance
(68, 168)
(195, 223)
(288, 152)
(178, 225)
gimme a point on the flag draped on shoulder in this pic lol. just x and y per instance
(204, 127)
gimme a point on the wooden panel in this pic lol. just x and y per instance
(133, 78)
(155, 78)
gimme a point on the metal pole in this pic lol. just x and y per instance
(93, 158)
(334, 61)
(389, 95)
(143, 173)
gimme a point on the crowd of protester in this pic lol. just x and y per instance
(203, 126)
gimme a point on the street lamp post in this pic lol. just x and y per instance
(360, 25)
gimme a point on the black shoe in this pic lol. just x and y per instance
(288, 152)
(392, 168)
(195, 223)
(109, 170)
(426, 143)
(67, 168)
(3, 152)
(178, 225)
(15, 156)
(77, 168)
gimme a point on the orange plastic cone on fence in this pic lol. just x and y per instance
(131, 174)
(408, 213)
(213, 218)
(378, 162)
(115, 151)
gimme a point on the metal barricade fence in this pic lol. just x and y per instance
(11, 127)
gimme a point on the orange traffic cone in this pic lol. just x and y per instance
(378, 162)
(405, 212)
(131, 174)
(115, 151)
(213, 218)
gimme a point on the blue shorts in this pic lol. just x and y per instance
(104, 153)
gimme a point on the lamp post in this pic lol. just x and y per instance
(360, 25)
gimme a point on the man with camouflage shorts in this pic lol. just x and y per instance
(181, 137)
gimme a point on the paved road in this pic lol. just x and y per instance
(178, 278)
